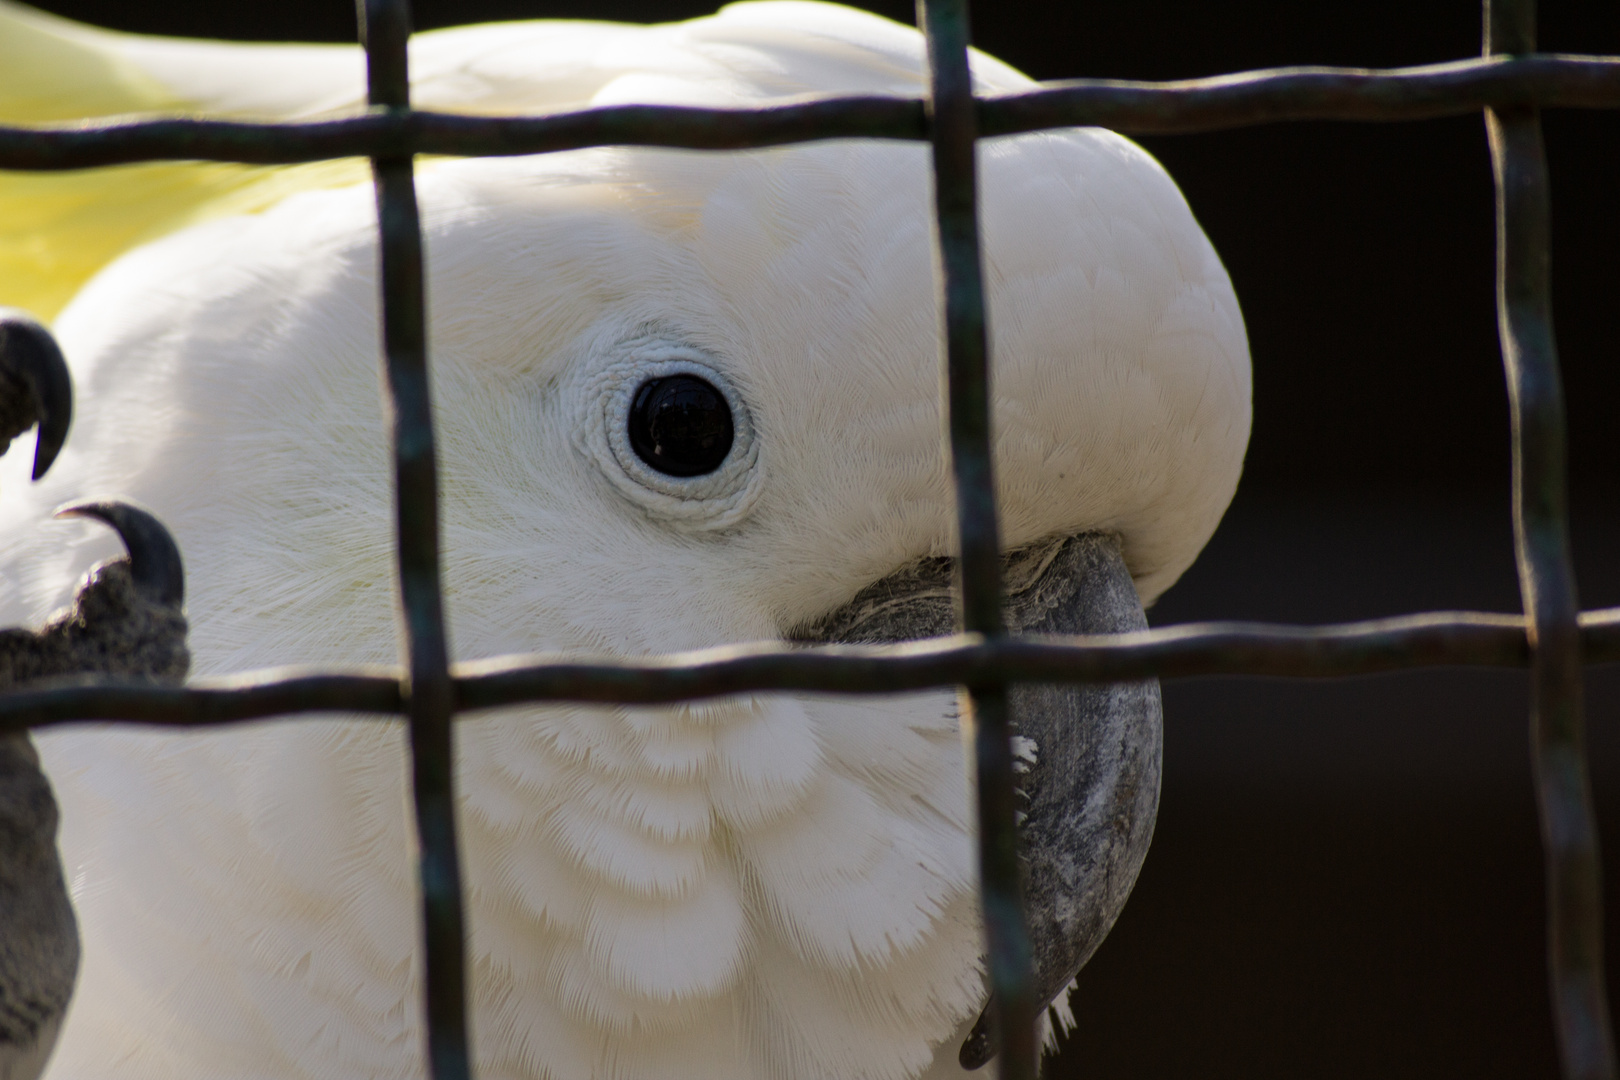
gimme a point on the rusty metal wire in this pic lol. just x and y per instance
(1456, 639)
(1177, 107)
(1510, 83)
(1546, 570)
(429, 697)
(953, 137)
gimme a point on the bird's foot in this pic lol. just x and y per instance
(125, 620)
(39, 939)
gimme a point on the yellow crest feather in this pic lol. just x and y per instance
(57, 229)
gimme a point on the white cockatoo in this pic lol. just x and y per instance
(764, 886)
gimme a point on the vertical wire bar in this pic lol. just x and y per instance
(952, 133)
(1546, 574)
(385, 30)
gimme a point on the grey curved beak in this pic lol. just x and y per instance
(1092, 786)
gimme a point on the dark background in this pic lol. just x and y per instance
(1346, 879)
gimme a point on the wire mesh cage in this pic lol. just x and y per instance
(1510, 83)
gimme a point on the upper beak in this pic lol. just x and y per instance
(1092, 788)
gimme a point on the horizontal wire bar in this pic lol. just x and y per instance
(1433, 639)
(1186, 106)
(401, 132)
(1310, 93)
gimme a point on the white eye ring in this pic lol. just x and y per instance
(715, 500)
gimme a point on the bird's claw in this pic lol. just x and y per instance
(34, 387)
(154, 560)
(126, 617)
(125, 620)
(982, 1043)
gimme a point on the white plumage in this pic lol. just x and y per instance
(771, 887)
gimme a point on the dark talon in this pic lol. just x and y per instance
(982, 1043)
(34, 386)
(154, 559)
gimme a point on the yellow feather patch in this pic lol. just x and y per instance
(57, 229)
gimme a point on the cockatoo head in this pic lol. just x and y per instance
(740, 873)
(796, 283)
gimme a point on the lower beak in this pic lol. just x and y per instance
(1091, 786)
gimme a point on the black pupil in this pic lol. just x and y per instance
(680, 425)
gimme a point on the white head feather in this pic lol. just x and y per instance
(779, 886)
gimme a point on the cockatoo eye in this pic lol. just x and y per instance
(668, 428)
(680, 425)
